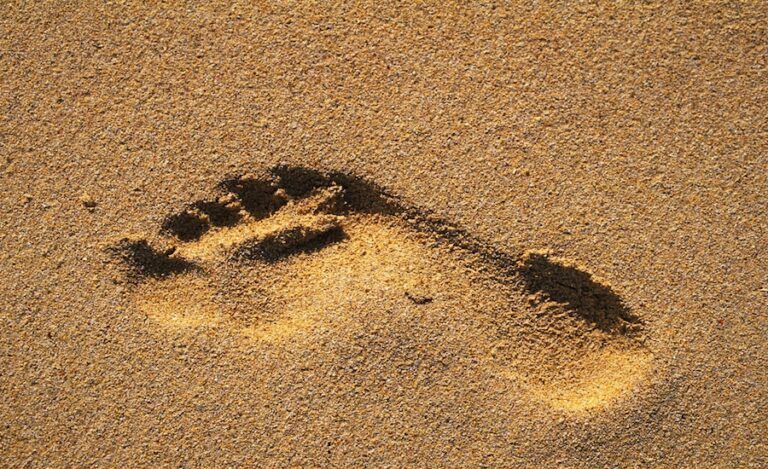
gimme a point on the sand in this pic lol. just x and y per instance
(383, 235)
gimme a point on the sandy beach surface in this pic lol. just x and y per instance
(369, 234)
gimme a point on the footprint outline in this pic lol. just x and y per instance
(252, 198)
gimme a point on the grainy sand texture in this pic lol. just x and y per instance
(374, 234)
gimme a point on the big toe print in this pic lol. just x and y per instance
(283, 255)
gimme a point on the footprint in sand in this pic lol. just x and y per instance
(279, 255)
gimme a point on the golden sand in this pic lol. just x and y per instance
(383, 234)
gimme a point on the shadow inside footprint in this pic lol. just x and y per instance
(199, 217)
(594, 302)
(145, 261)
(186, 226)
(295, 240)
(258, 197)
(360, 195)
